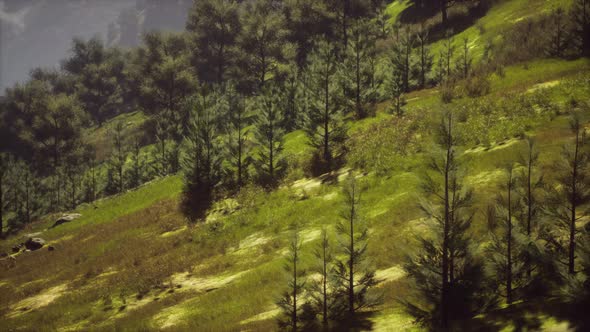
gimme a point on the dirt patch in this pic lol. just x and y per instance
(330, 196)
(483, 178)
(174, 232)
(249, 244)
(206, 284)
(38, 301)
(383, 322)
(309, 235)
(270, 314)
(174, 316)
(495, 147)
(544, 85)
(391, 274)
(307, 184)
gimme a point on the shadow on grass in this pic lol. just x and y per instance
(531, 316)
(361, 322)
(460, 18)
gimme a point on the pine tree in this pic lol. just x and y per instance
(354, 279)
(506, 252)
(238, 119)
(425, 58)
(214, 27)
(321, 290)
(100, 85)
(531, 185)
(73, 175)
(576, 287)
(356, 70)
(567, 198)
(116, 166)
(395, 91)
(91, 177)
(465, 60)
(4, 165)
(402, 56)
(324, 126)
(262, 40)
(136, 174)
(293, 99)
(580, 18)
(161, 154)
(269, 137)
(166, 78)
(290, 302)
(446, 57)
(203, 155)
(448, 279)
(558, 39)
(30, 190)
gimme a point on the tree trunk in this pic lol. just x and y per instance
(445, 244)
(240, 146)
(325, 294)
(529, 207)
(572, 236)
(443, 10)
(509, 245)
(294, 314)
(1, 206)
(345, 11)
(422, 65)
(358, 81)
(220, 65)
(327, 155)
(351, 260)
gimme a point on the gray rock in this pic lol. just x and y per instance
(35, 243)
(66, 218)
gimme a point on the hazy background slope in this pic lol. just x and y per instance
(38, 33)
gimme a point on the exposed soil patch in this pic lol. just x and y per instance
(38, 301)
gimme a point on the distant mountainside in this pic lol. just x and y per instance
(38, 33)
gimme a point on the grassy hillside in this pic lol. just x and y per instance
(132, 262)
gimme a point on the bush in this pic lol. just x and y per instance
(477, 86)
(382, 146)
(447, 93)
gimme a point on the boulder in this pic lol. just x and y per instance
(51, 248)
(66, 218)
(15, 249)
(34, 243)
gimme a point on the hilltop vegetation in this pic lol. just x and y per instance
(435, 160)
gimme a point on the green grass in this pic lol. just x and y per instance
(395, 8)
(521, 77)
(138, 243)
(101, 136)
(123, 236)
(501, 16)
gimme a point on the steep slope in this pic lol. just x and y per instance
(131, 262)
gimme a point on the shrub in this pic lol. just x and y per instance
(477, 86)
(382, 146)
(447, 92)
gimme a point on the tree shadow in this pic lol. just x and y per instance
(529, 316)
(415, 14)
(460, 18)
(360, 322)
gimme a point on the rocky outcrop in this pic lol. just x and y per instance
(34, 243)
(66, 218)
